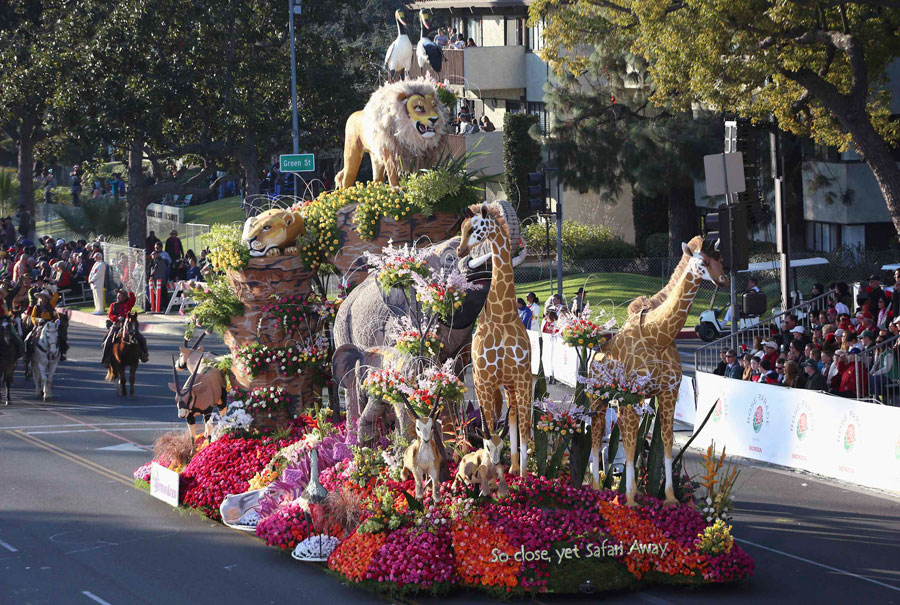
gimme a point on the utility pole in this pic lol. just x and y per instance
(295, 7)
(781, 237)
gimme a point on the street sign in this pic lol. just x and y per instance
(298, 162)
(724, 173)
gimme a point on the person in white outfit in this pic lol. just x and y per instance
(97, 279)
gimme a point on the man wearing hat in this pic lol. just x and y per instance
(97, 279)
(815, 381)
(8, 293)
(118, 311)
(44, 309)
(174, 248)
(873, 293)
(854, 377)
(771, 352)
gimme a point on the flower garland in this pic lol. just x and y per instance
(442, 292)
(395, 267)
(609, 381)
(387, 384)
(253, 358)
(226, 252)
(292, 313)
(559, 417)
(267, 399)
(408, 343)
(583, 333)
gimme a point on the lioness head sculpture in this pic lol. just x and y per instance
(273, 232)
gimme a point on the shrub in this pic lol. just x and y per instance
(100, 216)
(656, 244)
(521, 155)
(580, 241)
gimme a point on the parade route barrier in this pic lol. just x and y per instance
(181, 298)
(845, 439)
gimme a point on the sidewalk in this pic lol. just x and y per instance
(169, 325)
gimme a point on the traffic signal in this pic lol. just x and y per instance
(536, 197)
(732, 232)
(712, 226)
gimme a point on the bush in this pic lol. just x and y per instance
(99, 216)
(579, 241)
(657, 245)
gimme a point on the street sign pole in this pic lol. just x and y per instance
(782, 245)
(294, 6)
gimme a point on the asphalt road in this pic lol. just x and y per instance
(73, 529)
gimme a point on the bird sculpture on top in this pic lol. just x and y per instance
(427, 52)
(398, 58)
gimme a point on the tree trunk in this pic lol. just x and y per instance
(250, 164)
(879, 158)
(682, 216)
(137, 207)
(26, 164)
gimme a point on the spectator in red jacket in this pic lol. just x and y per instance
(854, 377)
(62, 276)
(771, 355)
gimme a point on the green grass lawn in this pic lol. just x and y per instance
(611, 293)
(227, 210)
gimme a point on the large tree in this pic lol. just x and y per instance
(31, 67)
(819, 66)
(607, 134)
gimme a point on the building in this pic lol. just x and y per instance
(503, 73)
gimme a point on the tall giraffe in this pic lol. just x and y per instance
(646, 345)
(501, 352)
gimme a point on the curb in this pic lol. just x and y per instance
(99, 321)
(688, 334)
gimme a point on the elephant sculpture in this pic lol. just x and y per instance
(364, 316)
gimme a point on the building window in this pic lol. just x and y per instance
(822, 237)
(536, 36)
(513, 107)
(539, 110)
(514, 31)
(473, 30)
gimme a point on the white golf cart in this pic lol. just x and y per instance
(712, 324)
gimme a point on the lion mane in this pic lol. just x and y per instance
(385, 129)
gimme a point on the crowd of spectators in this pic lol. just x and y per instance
(851, 355)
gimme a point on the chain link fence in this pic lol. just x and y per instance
(191, 234)
(611, 284)
(126, 269)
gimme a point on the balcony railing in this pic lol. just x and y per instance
(480, 68)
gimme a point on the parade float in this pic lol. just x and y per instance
(410, 483)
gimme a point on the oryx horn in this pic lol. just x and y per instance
(411, 409)
(190, 384)
(175, 375)
(199, 340)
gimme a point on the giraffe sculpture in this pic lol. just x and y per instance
(646, 345)
(501, 352)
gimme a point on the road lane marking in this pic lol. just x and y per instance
(127, 442)
(88, 464)
(94, 597)
(61, 426)
(36, 407)
(817, 564)
(8, 546)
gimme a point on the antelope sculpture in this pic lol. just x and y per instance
(483, 466)
(198, 398)
(424, 456)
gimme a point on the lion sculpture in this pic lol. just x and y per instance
(402, 126)
(273, 231)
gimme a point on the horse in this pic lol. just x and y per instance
(10, 351)
(45, 358)
(126, 353)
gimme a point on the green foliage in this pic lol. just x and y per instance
(579, 241)
(216, 305)
(521, 155)
(429, 188)
(99, 216)
(656, 244)
(225, 248)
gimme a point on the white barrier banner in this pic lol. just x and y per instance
(535, 339)
(845, 439)
(686, 406)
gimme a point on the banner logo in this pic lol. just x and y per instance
(720, 410)
(758, 413)
(802, 420)
(847, 433)
(802, 424)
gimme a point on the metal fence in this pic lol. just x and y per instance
(126, 269)
(191, 234)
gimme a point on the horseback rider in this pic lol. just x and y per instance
(43, 309)
(118, 313)
(8, 293)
